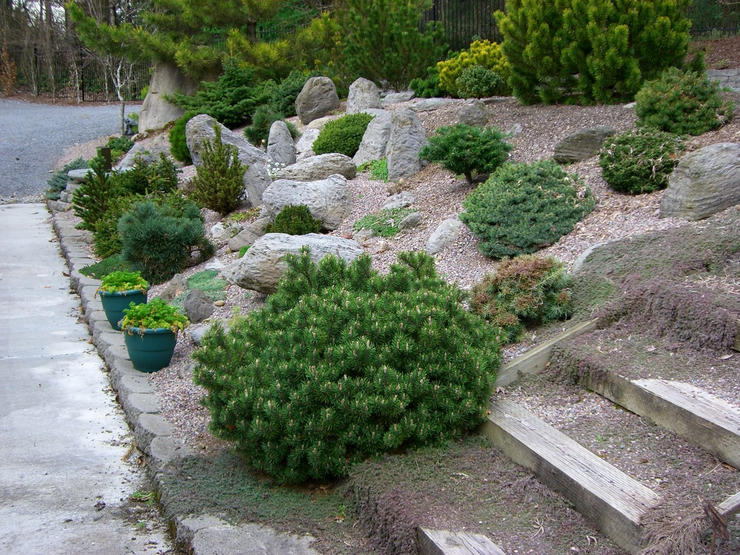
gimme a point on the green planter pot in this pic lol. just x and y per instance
(114, 302)
(150, 350)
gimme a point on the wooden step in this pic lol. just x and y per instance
(613, 501)
(443, 542)
(690, 412)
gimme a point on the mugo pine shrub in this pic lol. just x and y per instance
(218, 183)
(640, 160)
(482, 53)
(683, 103)
(524, 207)
(479, 82)
(294, 220)
(524, 291)
(344, 363)
(466, 149)
(158, 241)
(342, 135)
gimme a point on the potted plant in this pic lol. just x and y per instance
(150, 331)
(118, 290)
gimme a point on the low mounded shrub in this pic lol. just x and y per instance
(316, 381)
(682, 102)
(525, 207)
(159, 242)
(147, 178)
(466, 149)
(294, 220)
(524, 291)
(479, 82)
(218, 184)
(640, 160)
(482, 53)
(342, 135)
(427, 87)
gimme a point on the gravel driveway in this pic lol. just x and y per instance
(33, 136)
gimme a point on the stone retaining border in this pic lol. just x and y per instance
(201, 534)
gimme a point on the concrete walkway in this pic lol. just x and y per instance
(65, 482)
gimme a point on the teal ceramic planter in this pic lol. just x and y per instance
(114, 302)
(150, 350)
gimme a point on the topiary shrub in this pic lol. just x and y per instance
(317, 381)
(159, 242)
(262, 120)
(342, 135)
(218, 184)
(482, 53)
(683, 103)
(479, 82)
(524, 291)
(640, 160)
(178, 143)
(294, 220)
(467, 150)
(525, 207)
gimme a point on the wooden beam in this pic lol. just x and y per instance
(443, 542)
(535, 360)
(613, 501)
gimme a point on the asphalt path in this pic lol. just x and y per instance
(34, 136)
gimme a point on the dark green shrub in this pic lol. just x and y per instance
(106, 266)
(465, 149)
(218, 183)
(483, 53)
(178, 143)
(384, 223)
(524, 291)
(427, 87)
(344, 363)
(524, 207)
(342, 135)
(91, 199)
(590, 50)
(479, 82)
(294, 220)
(262, 120)
(158, 242)
(682, 103)
(382, 41)
(119, 146)
(58, 182)
(640, 160)
(147, 178)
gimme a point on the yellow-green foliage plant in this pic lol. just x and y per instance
(481, 53)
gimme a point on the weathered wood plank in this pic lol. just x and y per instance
(730, 506)
(690, 412)
(443, 542)
(535, 360)
(602, 493)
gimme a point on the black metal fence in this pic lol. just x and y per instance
(465, 20)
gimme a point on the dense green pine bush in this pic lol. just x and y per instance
(466, 149)
(178, 142)
(427, 87)
(682, 102)
(524, 207)
(159, 242)
(640, 160)
(91, 199)
(590, 50)
(144, 178)
(218, 184)
(344, 363)
(479, 82)
(382, 41)
(294, 220)
(483, 53)
(263, 118)
(58, 182)
(342, 135)
(524, 291)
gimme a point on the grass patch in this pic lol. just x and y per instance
(106, 266)
(378, 169)
(207, 281)
(383, 223)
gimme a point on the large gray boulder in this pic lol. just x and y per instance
(582, 145)
(319, 167)
(156, 112)
(375, 140)
(406, 139)
(363, 94)
(197, 305)
(327, 199)
(263, 264)
(705, 181)
(280, 145)
(256, 178)
(317, 98)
